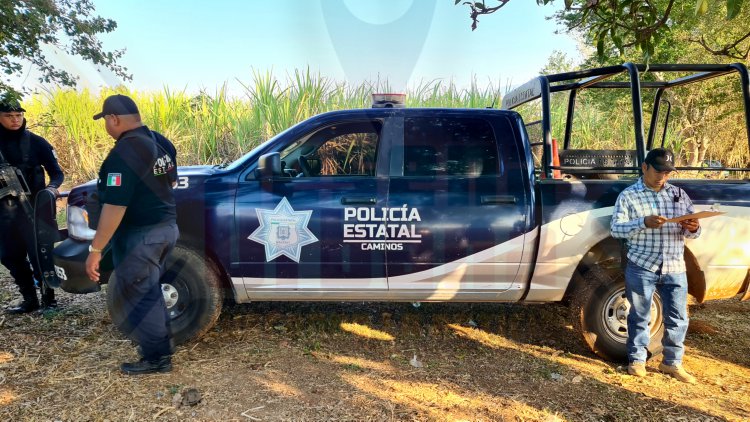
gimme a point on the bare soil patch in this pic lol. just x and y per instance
(355, 361)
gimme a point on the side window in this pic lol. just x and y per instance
(439, 146)
(348, 149)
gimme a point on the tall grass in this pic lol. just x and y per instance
(213, 127)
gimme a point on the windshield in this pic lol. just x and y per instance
(252, 153)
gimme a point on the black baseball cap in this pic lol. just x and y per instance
(118, 105)
(9, 106)
(661, 159)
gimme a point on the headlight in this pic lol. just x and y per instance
(78, 224)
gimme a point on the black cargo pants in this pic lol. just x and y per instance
(16, 244)
(138, 255)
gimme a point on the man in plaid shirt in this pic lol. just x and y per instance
(655, 261)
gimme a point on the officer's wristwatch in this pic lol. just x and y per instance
(93, 249)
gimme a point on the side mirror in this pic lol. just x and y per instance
(269, 165)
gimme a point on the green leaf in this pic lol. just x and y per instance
(733, 8)
(457, 1)
(568, 4)
(600, 47)
(618, 43)
(650, 49)
(701, 7)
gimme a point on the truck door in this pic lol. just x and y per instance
(292, 228)
(463, 203)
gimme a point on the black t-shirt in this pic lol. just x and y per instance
(138, 174)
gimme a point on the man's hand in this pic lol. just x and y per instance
(691, 225)
(92, 265)
(108, 223)
(654, 221)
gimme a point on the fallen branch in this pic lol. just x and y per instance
(163, 410)
(252, 418)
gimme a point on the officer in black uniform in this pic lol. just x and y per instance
(33, 155)
(138, 215)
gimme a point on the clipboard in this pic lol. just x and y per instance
(697, 215)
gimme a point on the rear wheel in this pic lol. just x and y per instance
(600, 310)
(192, 293)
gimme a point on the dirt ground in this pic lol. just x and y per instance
(355, 361)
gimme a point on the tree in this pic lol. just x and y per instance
(706, 117)
(638, 23)
(70, 25)
(557, 62)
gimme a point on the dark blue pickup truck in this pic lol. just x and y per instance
(405, 204)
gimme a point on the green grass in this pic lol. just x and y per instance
(213, 127)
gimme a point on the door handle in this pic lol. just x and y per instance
(497, 199)
(357, 201)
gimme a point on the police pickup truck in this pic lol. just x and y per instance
(407, 204)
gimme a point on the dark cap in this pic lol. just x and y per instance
(8, 106)
(661, 159)
(118, 105)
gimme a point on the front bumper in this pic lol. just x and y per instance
(70, 266)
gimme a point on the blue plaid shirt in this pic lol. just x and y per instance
(652, 248)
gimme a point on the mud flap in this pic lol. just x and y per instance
(45, 236)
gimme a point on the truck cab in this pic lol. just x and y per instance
(383, 204)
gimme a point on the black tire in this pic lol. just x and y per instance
(193, 295)
(599, 312)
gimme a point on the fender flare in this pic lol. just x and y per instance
(607, 254)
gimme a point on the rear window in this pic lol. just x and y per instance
(439, 146)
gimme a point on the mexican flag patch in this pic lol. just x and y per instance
(114, 179)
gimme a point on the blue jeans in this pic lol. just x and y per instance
(640, 285)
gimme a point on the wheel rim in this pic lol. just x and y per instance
(615, 316)
(171, 295)
(176, 297)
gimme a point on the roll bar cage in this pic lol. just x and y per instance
(543, 86)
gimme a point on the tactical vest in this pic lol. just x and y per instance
(34, 174)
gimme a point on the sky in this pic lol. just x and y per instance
(198, 45)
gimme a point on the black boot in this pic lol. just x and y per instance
(143, 366)
(29, 304)
(48, 299)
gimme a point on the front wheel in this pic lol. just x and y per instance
(600, 311)
(192, 293)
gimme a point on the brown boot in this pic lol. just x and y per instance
(677, 372)
(637, 369)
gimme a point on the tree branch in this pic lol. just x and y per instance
(729, 50)
(664, 18)
(70, 25)
(476, 11)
